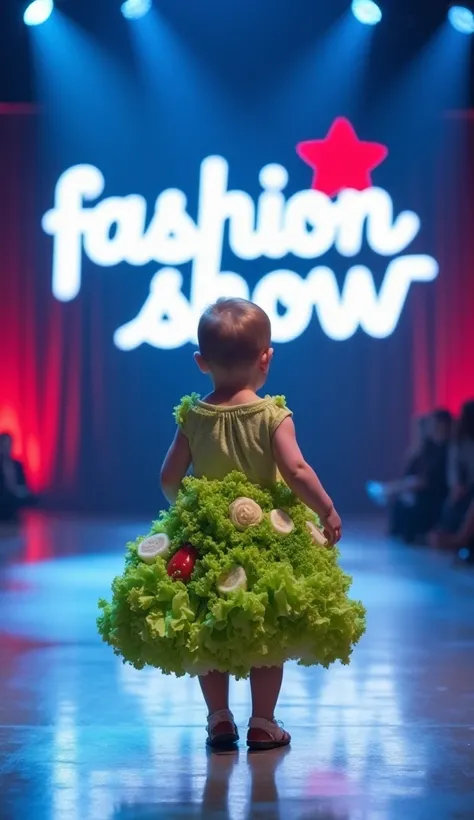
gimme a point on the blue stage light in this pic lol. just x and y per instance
(133, 9)
(367, 12)
(38, 12)
(462, 19)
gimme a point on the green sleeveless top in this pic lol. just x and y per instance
(223, 438)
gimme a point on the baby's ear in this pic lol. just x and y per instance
(201, 363)
(267, 357)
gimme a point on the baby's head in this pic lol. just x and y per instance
(235, 344)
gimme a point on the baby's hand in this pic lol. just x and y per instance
(332, 527)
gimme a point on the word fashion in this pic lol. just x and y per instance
(307, 225)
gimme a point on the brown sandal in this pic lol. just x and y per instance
(221, 729)
(266, 734)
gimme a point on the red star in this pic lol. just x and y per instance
(341, 160)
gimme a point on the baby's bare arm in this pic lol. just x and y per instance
(175, 466)
(302, 479)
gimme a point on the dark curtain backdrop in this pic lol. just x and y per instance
(40, 342)
(92, 423)
(443, 318)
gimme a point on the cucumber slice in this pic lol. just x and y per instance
(281, 522)
(153, 547)
(319, 539)
(233, 580)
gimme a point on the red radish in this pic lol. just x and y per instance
(182, 563)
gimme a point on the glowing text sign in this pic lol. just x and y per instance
(307, 225)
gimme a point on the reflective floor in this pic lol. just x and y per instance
(83, 737)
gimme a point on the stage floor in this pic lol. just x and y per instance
(83, 737)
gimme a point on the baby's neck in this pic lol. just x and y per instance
(226, 394)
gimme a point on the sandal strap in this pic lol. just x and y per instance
(271, 727)
(222, 716)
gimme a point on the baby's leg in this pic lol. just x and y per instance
(215, 688)
(264, 732)
(265, 684)
(221, 729)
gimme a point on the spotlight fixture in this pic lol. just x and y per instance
(461, 19)
(133, 9)
(38, 12)
(367, 12)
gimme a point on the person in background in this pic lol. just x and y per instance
(14, 492)
(417, 499)
(382, 493)
(456, 529)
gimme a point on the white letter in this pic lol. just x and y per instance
(381, 319)
(288, 289)
(106, 247)
(384, 235)
(67, 222)
(164, 320)
(271, 212)
(172, 236)
(216, 204)
(310, 224)
(340, 315)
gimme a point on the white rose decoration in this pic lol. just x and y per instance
(319, 539)
(245, 513)
(281, 522)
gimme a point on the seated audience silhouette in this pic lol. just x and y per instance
(416, 500)
(14, 492)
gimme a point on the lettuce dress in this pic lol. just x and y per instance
(237, 573)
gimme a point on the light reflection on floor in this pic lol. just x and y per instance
(83, 737)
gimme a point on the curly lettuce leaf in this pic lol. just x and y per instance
(295, 606)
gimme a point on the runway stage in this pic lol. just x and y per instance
(83, 737)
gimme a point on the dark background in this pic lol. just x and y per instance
(246, 46)
(145, 102)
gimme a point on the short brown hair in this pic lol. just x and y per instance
(233, 332)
